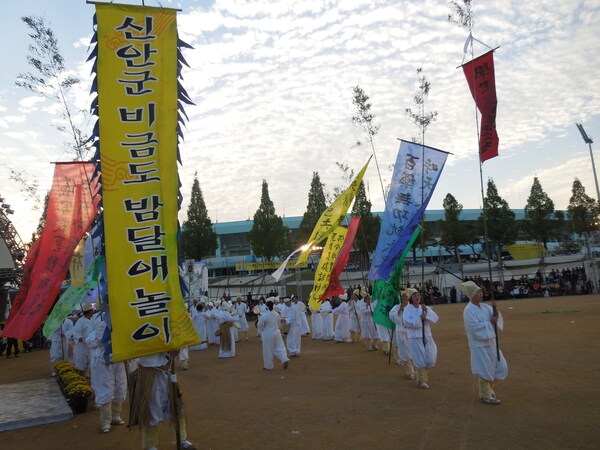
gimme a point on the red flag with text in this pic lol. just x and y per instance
(480, 75)
(72, 206)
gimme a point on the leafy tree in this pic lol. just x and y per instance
(368, 229)
(198, 239)
(540, 223)
(317, 204)
(498, 220)
(269, 237)
(583, 210)
(420, 118)
(51, 80)
(454, 232)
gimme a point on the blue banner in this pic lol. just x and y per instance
(416, 173)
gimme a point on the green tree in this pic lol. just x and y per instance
(317, 204)
(583, 210)
(454, 232)
(198, 239)
(499, 221)
(540, 223)
(269, 237)
(368, 229)
(51, 80)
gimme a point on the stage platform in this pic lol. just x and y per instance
(28, 403)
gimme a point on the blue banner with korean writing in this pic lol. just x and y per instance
(416, 173)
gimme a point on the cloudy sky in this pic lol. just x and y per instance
(272, 82)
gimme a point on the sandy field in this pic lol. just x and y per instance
(340, 396)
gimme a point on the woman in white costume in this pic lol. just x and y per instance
(401, 335)
(418, 319)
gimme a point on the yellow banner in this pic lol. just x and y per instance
(526, 251)
(334, 243)
(137, 103)
(333, 216)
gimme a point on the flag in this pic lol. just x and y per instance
(138, 115)
(332, 247)
(335, 287)
(72, 206)
(415, 176)
(386, 291)
(479, 73)
(333, 215)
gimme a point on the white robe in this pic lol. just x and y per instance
(367, 326)
(109, 381)
(424, 355)
(272, 342)
(317, 325)
(160, 405)
(482, 342)
(242, 309)
(225, 317)
(400, 334)
(354, 316)
(294, 335)
(81, 352)
(200, 326)
(59, 347)
(326, 321)
(342, 323)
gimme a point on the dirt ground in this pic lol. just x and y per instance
(340, 396)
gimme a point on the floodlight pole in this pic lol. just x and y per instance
(591, 252)
(588, 140)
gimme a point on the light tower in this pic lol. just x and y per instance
(589, 142)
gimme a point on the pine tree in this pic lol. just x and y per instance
(454, 232)
(269, 237)
(540, 223)
(317, 204)
(501, 221)
(583, 210)
(198, 239)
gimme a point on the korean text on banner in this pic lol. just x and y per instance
(330, 252)
(137, 103)
(72, 206)
(482, 83)
(415, 176)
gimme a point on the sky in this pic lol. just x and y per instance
(272, 83)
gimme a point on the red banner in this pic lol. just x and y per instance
(480, 76)
(335, 287)
(72, 207)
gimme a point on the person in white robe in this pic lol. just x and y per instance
(272, 342)
(211, 324)
(355, 333)
(482, 322)
(225, 317)
(81, 329)
(200, 325)
(294, 320)
(153, 406)
(367, 325)
(326, 321)
(418, 319)
(59, 344)
(305, 327)
(401, 336)
(109, 381)
(241, 309)
(262, 306)
(316, 324)
(342, 323)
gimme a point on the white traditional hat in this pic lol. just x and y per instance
(87, 306)
(356, 292)
(410, 292)
(469, 288)
(343, 297)
(287, 299)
